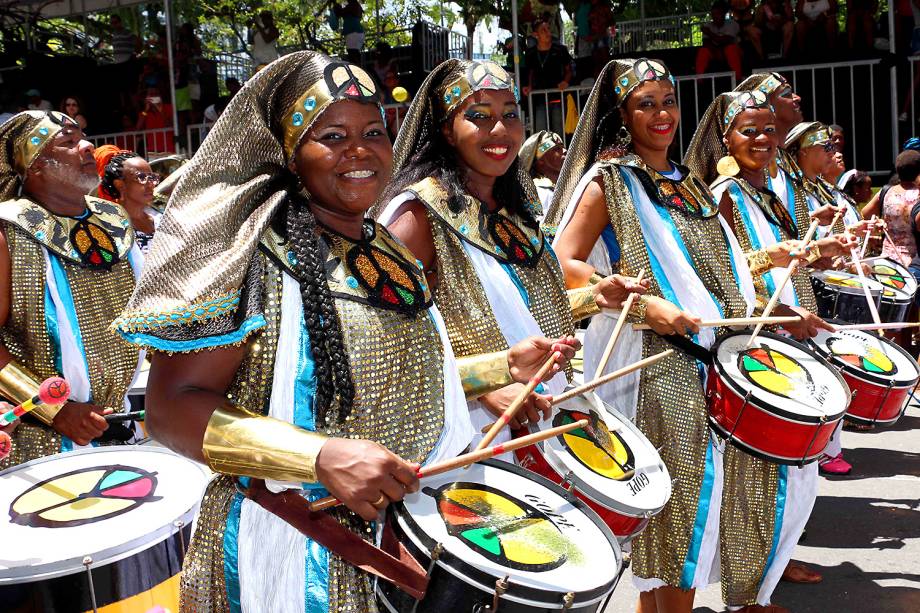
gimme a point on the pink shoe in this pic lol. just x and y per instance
(835, 466)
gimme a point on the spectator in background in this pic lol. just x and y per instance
(384, 62)
(128, 124)
(73, 108)
(263, 36)
(36, 102)
(776, 21)
(233, 85)
(126, 178)
(350, 14)
(125, 45)
(720, 41)
(534, 11)
(861, 24)
(157, 115)
(742, 13)
(549, 66)
(837, 137)
(816, 20)
(859, 187)
(601, 23)
(583, 39)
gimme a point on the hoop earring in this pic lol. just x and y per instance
(622, 142)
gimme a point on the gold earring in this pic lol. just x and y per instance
(728, 166)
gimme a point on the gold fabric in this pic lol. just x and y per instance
(485, 373)
(18, 385)
(808, 134)
(759, 262)
(766, 82)
(583, 302)
(478, 76)
(471, 325)
(671, 406)
(535, 147)
(787, 164)
(22, 139)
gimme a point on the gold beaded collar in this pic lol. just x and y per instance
(643, 70)
(340, 81)
(478, 76)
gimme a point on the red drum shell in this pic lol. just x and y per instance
(870, 404)
(761, 431)
(624, 527)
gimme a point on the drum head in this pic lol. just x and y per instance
(782, 376)
(897, 280)
(595, 458)
(107, 503)
(847, 283)
(868, 356)
(497, 520)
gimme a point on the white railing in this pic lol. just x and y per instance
(548, 109)
(694, 95)
(660, 33)
(440, 44)
(194, 136)
(151, 144)
(395, 113)
(238, 65)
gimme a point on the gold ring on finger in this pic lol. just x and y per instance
(380, 502)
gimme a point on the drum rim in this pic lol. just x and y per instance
(757, 453)
(399, 513)
(70, 566)
(862, 375)
(762, 404)
(591, 492)
(845, 289)
(904, 270)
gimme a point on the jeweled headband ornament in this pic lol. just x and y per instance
(740, 102)
(549, 141)
(771, 83)
(30, 146)
(642, 71)
(479, 76)
(340, 81)
(819, 135)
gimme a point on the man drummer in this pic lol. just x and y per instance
(65, 273)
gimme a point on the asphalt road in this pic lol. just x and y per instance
(864, 534)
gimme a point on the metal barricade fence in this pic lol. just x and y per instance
(548, 108)
(694, 95)
(659, 33)
(151, 144)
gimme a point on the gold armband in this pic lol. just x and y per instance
(814, 254)
(638, 308)
(759, 262)
(582, 302)
(17, 384)
(240, 443)
(484, 373)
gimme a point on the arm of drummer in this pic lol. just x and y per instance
(574, 245)
(79, 421)
(188, 411)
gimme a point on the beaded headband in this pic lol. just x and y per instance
(29, 146)
(818, 135)
(642, 71)
(340, 81)
(771, 83)
(740, 102)
(479, 76)
(549, 140)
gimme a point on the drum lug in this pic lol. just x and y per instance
(731, 435)
(87, 562)
(566, 482)
(436, 552)
(501, 586)
(823, 420)
(568, 600)
(179, 524)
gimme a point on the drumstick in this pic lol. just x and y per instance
(897, 253)
(617, 328)
(590, 385)
(517, 403)
(864, 282)
(471, 458)
(883, 326)
(830, 227)
(790, 270)
(53, 390)
(735, 321)
(865, 244)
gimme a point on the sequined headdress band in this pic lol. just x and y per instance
(479, 76)
(808, 134)
(29, 146)
(340, 82)
(742, 101)
(643, 70)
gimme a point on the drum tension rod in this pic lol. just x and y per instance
(823, 420)
(567, 480)
(87, 561)
(881, 405)
(436, 552)
(501, 586)
(731, 435)
(180, 525)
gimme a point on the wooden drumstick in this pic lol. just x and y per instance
(865, 245)
(885, 326)
(517, 403)
(898, 254)
(790, 270)
(864, 282)
(736, 321)
(471, 458)
(608, 350)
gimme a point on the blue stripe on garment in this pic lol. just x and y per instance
(63, 287)
(316, 572)
(305, 390)
(232, 553)
(782, 484)
(517, 283)
(699, 527)
(208, 342)
(611, 244)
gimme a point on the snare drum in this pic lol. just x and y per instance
(778, 400)
(900, 287)
(98, 528)
(840, 296)
(881, 374)
(497, 537)
(610, 465)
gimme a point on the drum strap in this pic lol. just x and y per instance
(690, 348)
(392, 562)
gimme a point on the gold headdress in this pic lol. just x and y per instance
(807, 134)
(766, 82)
(537, 145)
(478, 76)
(22, 139)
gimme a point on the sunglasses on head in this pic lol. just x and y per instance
(147, 177)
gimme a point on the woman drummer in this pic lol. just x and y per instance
(461, 203)
(296, 341)
(622, 206)
(732, 147)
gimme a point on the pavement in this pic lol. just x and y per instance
(863, 536)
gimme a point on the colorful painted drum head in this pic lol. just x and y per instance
(497, 520)
(867, 356)
(106, 503)
(781, 373)
(848, 283)
(610, 462)
(894, 277)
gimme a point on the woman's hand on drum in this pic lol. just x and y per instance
(665, 318)
(807, 327)
(537, 406)
(81, 422)
(612, 292)
(837, 244)
(825, 214)
(364, 475)
(526, 358)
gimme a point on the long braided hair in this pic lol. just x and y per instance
(110, 166)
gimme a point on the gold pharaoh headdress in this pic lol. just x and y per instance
(22, 139)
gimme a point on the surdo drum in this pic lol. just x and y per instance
(881, 375)
(840, 296)
(610, 464)
(899, 286)
(495, 537)
(98, 529)
(778, 400)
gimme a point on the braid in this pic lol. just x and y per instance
(333, 372)
(114, 169)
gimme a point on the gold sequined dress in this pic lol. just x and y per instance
(70, 278)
